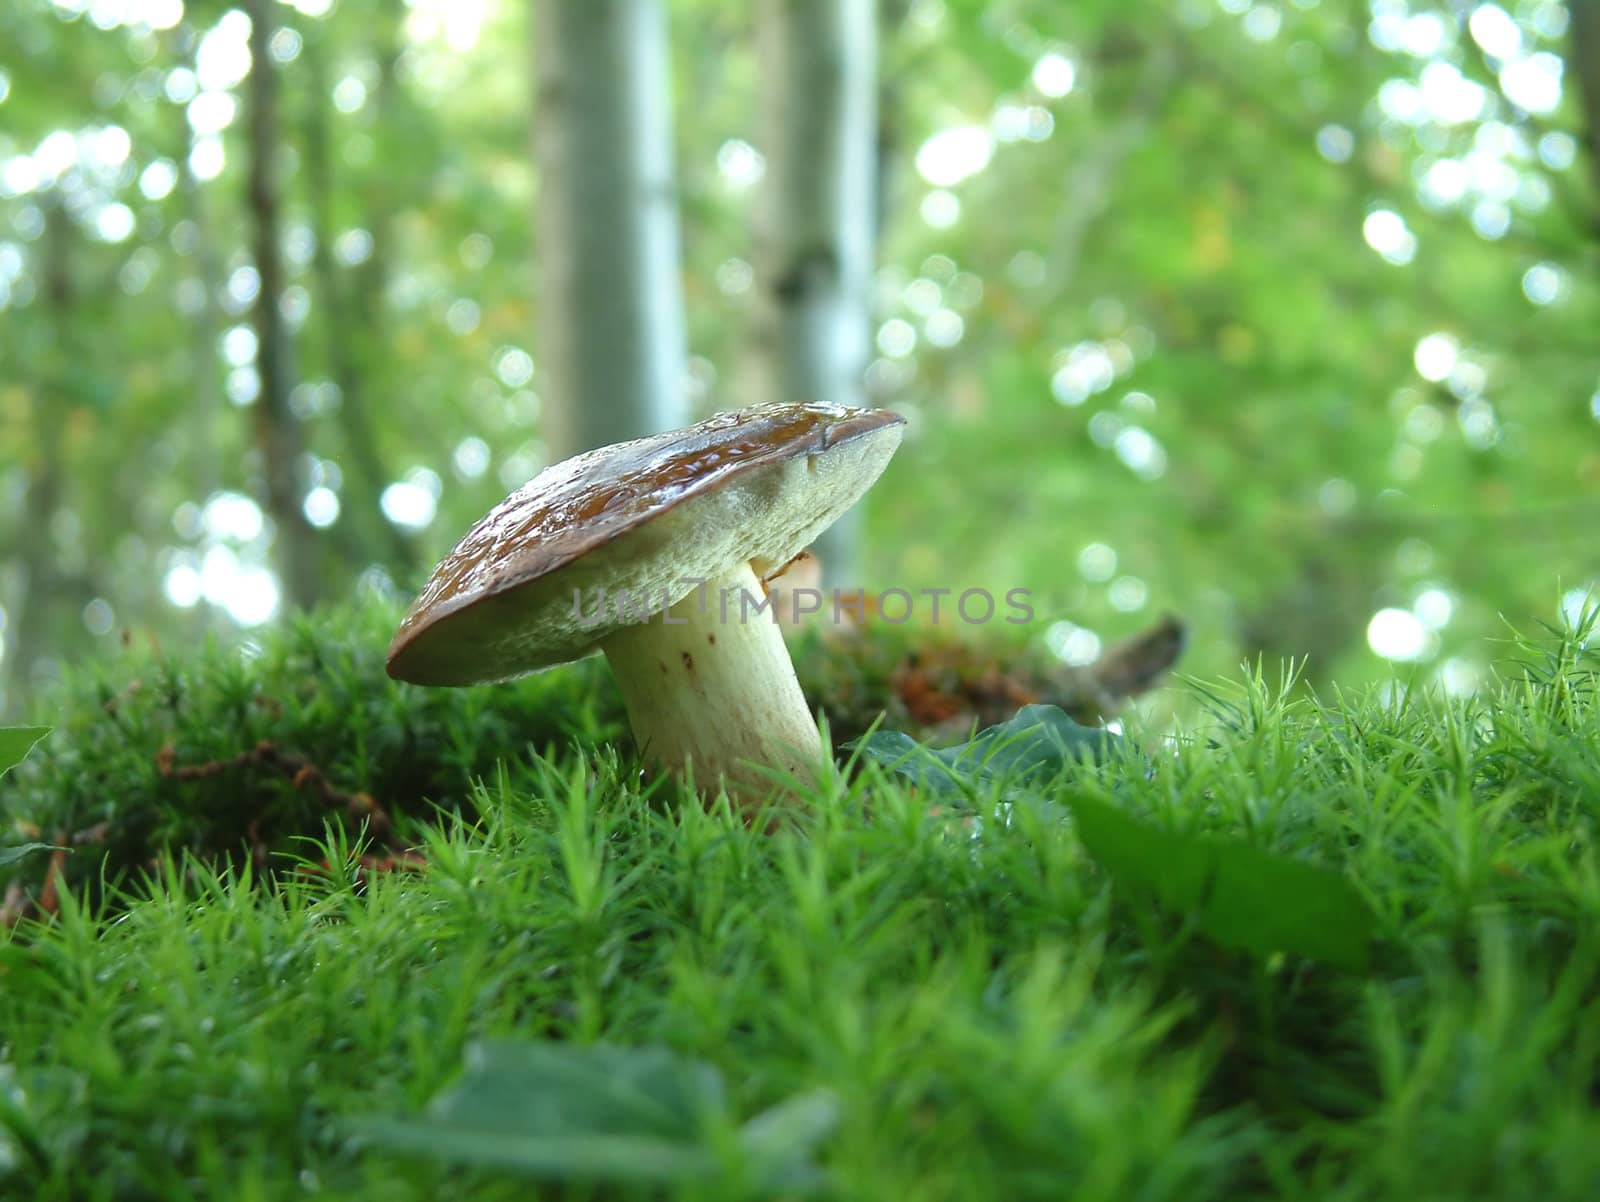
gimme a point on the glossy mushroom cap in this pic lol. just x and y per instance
(522, 590)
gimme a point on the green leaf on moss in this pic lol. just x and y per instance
(1039, 743)
(19, 851)
(602, 1113)
(1236, 894)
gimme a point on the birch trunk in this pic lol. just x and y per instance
(278, 434)
(612, 336)
(819, 112)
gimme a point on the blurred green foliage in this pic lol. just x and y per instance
(1275, 316)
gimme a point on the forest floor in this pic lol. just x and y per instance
(542, 973)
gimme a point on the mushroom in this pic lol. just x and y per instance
(656, 551)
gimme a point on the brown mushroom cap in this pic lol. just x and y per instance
(522, 590)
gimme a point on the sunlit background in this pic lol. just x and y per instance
(1279, 317)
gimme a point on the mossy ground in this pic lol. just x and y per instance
(995, 1018)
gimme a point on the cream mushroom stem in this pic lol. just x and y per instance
(709, 684)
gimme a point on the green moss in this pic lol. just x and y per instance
(164, 753)
(157, 753)
(995, 1018)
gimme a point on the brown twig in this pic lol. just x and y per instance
(50, 895)
(131, 689)
(404, 861)
(16, 906)
(1137, 664)
(303, 774)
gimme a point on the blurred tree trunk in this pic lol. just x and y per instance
(1583, 56)
(42, 583)
(278, 434)
(613, 343)
(353, 333)
(205, 329)
(818, 66)
(889, 163)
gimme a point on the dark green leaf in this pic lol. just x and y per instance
(562, 1087)
(1237, 894)
(10, 855)
(1035, 745)
(16, 742)
(779, 1141)
(574, 1156)
(567, 1112)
